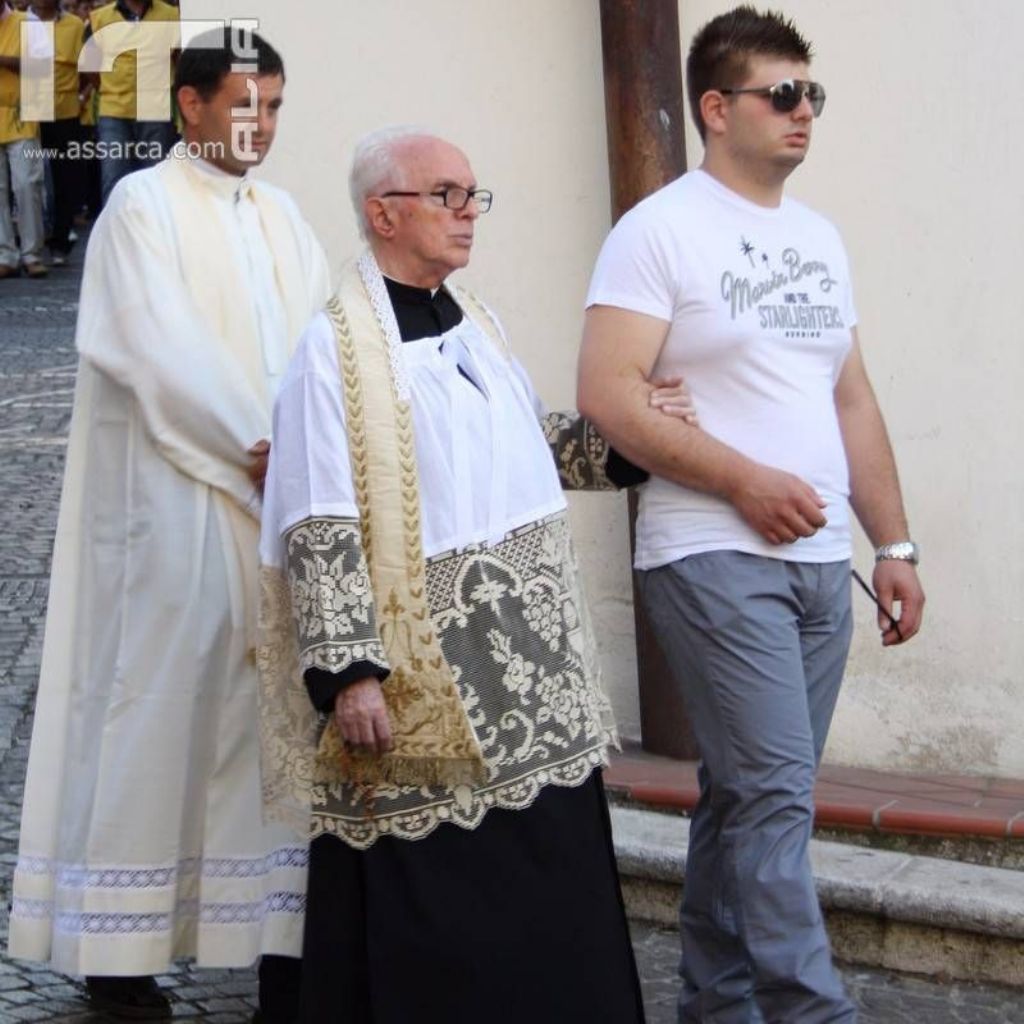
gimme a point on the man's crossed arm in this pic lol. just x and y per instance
(618, 354)
(617, 357)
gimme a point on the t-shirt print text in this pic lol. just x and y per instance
(798, 315)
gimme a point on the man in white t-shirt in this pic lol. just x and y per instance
(743, 536)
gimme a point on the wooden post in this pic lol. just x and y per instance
(645, 114)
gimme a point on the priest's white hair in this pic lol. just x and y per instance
(374, 165)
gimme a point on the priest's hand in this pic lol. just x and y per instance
(672, 397)
(362, 716)
(257, 470)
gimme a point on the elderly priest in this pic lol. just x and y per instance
(419, 573)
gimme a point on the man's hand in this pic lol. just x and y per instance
(672, 397)
(257, 469)
(896, 582)
(778, 505)
(362, 716)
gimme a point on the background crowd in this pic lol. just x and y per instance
(55, 175)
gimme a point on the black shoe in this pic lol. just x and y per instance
(132, 998)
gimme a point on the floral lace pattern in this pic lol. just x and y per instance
(581, 453)
(511, 627)
(332, 600)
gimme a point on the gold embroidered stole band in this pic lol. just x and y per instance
(434, 742)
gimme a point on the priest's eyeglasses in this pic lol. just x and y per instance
(455, 198)
(786, 95)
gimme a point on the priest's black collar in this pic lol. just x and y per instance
(421, 313)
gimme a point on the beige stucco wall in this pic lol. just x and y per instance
(917, 158)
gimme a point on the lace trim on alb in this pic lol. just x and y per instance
(469, 811)
(77, 876)
(331, 595)
(514, 627)
(579, 450)
(72, 922)
(373, 281)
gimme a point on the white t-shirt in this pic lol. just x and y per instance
(760, 307)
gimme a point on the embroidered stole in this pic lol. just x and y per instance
(434, 742)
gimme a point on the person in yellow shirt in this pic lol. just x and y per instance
(58, 135)
(21, 165)
(89, 164)
(127, 143)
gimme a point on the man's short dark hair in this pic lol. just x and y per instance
(211, 57)
(720, 53)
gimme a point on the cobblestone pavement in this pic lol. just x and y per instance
(882, 998)
(36, 380)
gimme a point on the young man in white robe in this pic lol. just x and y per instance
(142, 836)
(419, 579)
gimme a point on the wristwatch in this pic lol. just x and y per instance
(901, 551)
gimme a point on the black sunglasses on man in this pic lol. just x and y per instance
(786, 95)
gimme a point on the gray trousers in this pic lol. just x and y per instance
(758, 647)
(21, 175)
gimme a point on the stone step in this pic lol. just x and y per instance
(884, 909)
(974, 818)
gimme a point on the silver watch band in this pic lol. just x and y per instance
(901, 551)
